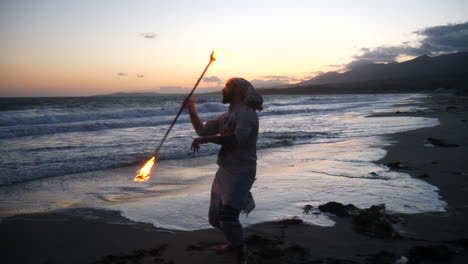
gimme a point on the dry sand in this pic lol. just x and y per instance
(60, 237)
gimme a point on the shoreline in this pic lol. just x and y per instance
(60, 238)
(443, 166)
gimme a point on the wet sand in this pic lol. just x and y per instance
(60, 237)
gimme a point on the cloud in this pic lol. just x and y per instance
(148, 35)
(140, 75)
(314, 74)
(280, 77)
(273, 80)
(384, 54)
(434, 40)
(258, 83)
(317, 72)
(213, 79)
(448, 38)
(121, 74)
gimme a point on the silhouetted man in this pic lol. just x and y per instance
(236, 131)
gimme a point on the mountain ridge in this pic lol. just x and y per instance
(447, 64)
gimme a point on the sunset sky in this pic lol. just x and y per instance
(70, 47)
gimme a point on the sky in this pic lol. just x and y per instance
(79, 48)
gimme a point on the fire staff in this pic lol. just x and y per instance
(144, 173)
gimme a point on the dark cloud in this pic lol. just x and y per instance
(384, 54)
(435, 40)
(149, 35)
(121, 74)
(444, 39)
(140, 75)
(356, 63)
(213, 79)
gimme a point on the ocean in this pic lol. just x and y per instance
(58, 153)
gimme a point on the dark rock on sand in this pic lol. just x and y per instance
(424, 175)
(338, 209)
(267, 250)
(256, 239)
(383, 257)
(462, 242)
(154, 255)
(307, 209)
(290, 221)
(439, 143)
(397, 165)
(374, 221)
(50, 261)
(331, 261)
(439, 253)
(202, 245)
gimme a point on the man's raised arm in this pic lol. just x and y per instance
(210, 128)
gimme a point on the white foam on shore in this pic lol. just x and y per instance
(290, 178)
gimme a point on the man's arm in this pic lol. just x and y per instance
(221, 140)
(245, 123)
(210, 128)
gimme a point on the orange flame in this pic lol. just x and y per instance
(143, 174)
(218, 56)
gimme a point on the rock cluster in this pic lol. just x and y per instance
(372, 221)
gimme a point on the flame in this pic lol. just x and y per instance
(143, 174)
(218, 57)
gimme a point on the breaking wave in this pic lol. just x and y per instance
(51, 137)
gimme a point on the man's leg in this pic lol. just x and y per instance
(215, 205)
(230, 225)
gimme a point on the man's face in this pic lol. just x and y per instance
(227, 94)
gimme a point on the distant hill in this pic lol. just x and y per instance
(454, 83)
(201, 90)
(123, 94)
(423, 66)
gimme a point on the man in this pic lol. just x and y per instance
(236, 131)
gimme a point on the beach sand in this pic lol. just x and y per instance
(107, 237)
